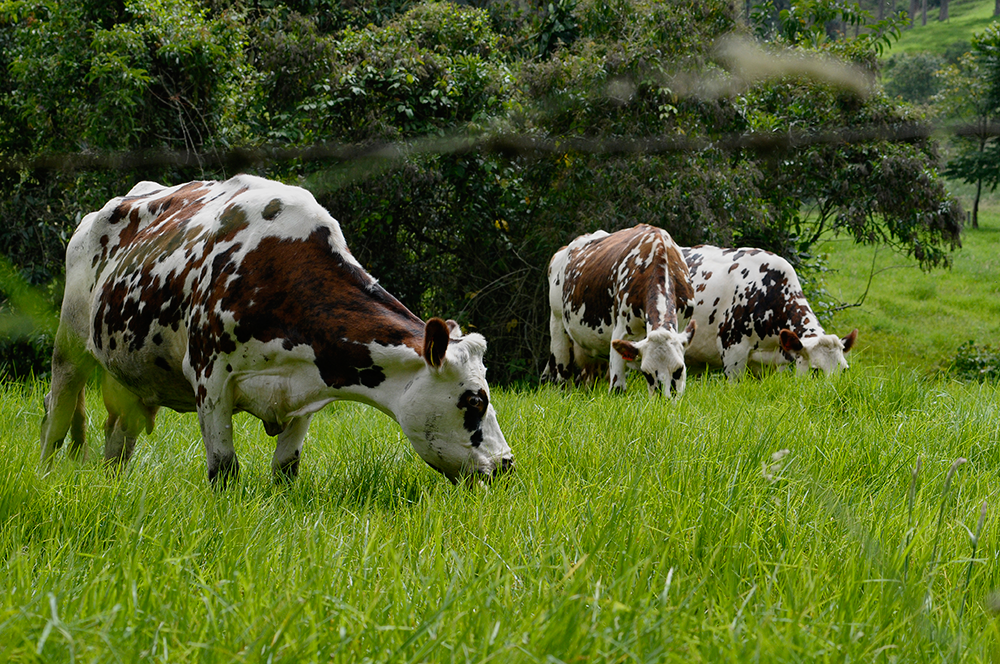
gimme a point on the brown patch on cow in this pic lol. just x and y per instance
(232, 220)
(680, 276)
(272, 209)
(337, 308)
(653, 267)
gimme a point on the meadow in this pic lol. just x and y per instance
(965, 18)
(778, 520)
(913, 318)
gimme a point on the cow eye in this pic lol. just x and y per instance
(475, 401)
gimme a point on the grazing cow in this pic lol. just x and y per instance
(751, 312)
(615, 297)
(241, 295)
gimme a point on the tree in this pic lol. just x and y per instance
(467, 233)
(971, 98)
(849, 187)
(912, 76)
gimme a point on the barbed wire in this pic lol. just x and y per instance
(507, 144)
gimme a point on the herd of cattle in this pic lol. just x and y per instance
(220, 297)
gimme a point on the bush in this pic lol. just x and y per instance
(974, 362)
(912, 77)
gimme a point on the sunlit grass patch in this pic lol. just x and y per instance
(765, 519)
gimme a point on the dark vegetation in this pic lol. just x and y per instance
(975, 362)
(467, 233)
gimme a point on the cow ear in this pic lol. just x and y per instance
(849, 340)
(436, 336)
(454, 331)
(790, 341)
(689, 331)
(628, 350)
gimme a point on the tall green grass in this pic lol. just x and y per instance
(634, 530)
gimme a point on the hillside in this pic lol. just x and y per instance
(966, 18)
(918, 319)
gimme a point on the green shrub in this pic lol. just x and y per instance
(912, 77)
(974, 362)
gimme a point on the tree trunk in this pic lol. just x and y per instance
(975, 203)
(914, 4)
(881, 10)
(979, 180)
(923, 12)
(996, 8)
(943, 12)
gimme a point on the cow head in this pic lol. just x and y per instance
(821, 353)
(660, 358)
(445, 409)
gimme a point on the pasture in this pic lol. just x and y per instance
(772, 520)
(634, 530)
(918, 319)
(965, 18)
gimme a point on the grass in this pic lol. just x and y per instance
(966, 18)
(918, 319)
(635, 530)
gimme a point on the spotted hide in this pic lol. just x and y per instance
(614, 298)
(218, 297)
(751, 312)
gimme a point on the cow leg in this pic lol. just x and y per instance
(127, 417)
(216, 420)
(616, 363)
(560, 365)
(288, 450)
(64, 404)
(734, 361)
(592, 369)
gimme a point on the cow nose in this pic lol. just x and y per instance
(505, 466)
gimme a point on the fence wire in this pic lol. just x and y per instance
(520, 145)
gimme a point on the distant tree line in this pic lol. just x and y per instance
(467, 233)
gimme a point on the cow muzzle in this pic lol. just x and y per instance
(504, 466)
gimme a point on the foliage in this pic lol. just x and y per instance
(851, 186)
(912, 77)
(468, 233)
(973, 362)
(970, 97)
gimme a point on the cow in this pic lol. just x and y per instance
(751, 312)
(220, 297)
(615, 297)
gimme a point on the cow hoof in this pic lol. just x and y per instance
(223, 470)
(286, 473)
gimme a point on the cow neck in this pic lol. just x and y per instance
(801, 318)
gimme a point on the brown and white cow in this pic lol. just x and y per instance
(614, 297)
(751, 312)
(241, 295)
